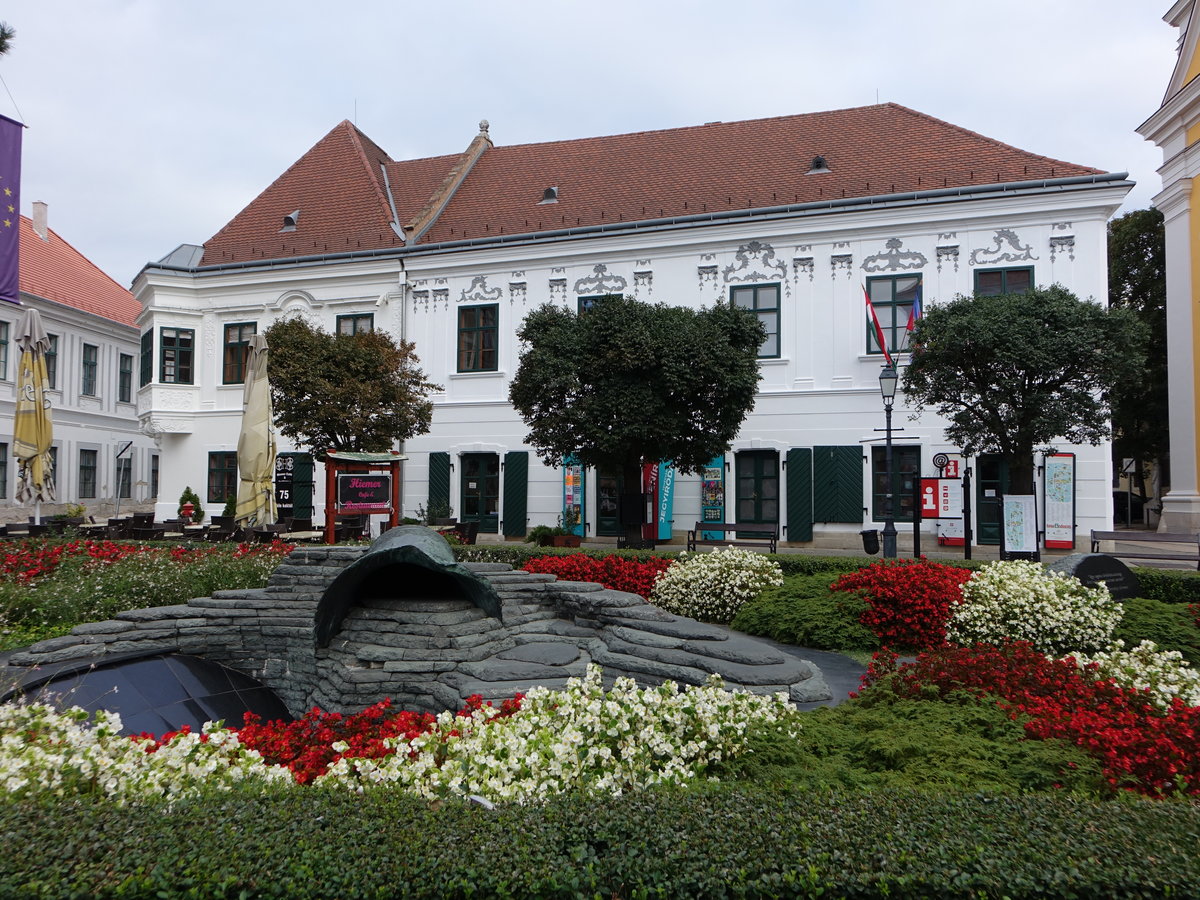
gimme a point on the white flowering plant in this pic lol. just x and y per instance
(1017, 600)
(1163, 673)
(43, 750)
(582, 738)
(712, 587)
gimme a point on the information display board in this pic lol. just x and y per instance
(365, 492)
(1059, 489)
(1019, 525)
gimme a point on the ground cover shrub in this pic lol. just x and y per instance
(617, 573)
(908, 601)
(707, 841)
(712, 587)
(1140, 746)
(1022, 601)
(1172, 626)
(887, 741)
(48, 587)
(804, 611)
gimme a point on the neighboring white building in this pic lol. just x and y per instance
(1176, 129)
(791, 216)
(94, 346)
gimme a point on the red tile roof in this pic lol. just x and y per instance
(54, 270)
(869, 150)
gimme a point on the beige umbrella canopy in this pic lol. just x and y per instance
(256, 444)
(33, 429)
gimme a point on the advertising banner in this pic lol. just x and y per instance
(366, 492)
(573, 496)
(712, 496)
(666, 500)
(1058, 487)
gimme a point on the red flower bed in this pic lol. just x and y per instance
(31, 560)
(306, 745)
(617, 573)
(1141, 747)
(908, 601)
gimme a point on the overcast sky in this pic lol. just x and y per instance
(153, 122)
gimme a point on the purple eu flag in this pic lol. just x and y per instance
(10, 209)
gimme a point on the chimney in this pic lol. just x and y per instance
(40, 216)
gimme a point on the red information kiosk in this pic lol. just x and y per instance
(361, 483)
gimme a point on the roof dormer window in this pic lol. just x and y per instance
(549, 195)
(289, 221)
(819, 166)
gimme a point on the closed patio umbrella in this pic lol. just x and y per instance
(33, 429)
(256, 444)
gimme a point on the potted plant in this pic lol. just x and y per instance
(540, 535)
(564, 535)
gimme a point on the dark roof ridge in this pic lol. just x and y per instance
(361, 142)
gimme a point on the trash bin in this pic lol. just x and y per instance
(870, 541)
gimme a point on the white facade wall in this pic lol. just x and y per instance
(99, 422)
(821, 391)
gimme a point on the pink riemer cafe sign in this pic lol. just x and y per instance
(365, 492)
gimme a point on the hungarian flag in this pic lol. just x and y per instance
(914, 313)
(10, 209)
(878, 328)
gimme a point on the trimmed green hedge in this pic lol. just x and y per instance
(1168, 585)
(710, 841)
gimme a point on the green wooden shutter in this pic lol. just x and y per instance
(439, 480)
(516, 489)
(838, 484)
(799, 494)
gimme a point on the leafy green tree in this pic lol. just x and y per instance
(1137, 281)
(1014, 372)
(360, 392)
(627, 382)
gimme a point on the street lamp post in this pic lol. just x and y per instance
(887, 387)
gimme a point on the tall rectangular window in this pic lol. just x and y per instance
(763, 301)
(990, 282)
(125, 478)
(125, 378)
(87, 474)
(176, 355)
(356, 324)
(146, 375)
(154, 476)
(91, 362)
(52, 362)
(906, 468)
(3, 351)
(478, 332)
(222, 476)
(3, 471)
(237, 351)
(893, 297)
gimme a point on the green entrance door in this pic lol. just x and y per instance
(481, 490)
(757, 477)
(991, 481)
(608, 504)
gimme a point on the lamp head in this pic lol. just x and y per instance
(887, 384)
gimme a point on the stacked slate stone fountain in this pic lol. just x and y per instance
(341, 628)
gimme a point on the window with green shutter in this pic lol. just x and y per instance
(838, 484)
(515, 510)
(799, 494)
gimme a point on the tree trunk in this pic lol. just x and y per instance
(1020, 474)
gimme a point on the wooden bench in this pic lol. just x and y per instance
(1150, 537)
(763, 535)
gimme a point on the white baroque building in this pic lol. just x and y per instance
(791, 216)
(93, 390)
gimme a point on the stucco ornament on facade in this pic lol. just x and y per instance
(601, 281)
(947, 253)
(841, 261)
(893, 258)
(479, 292)
(558, 289)
(1008, 248)
(1061, 244)
(756, 262)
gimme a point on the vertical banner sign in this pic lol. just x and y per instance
(1019, 521)
(666, 500)
(10, 209)
(712, 496)
(573, 496)
(650, 489)
(284, 475)
(1058, 488)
